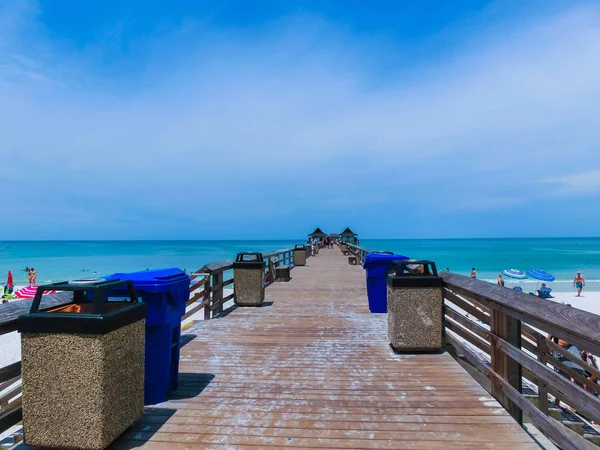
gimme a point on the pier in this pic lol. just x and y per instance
(313, 368)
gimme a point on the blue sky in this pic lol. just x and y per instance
(212, 119)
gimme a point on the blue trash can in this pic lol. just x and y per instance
(377, 266)
(166, 292)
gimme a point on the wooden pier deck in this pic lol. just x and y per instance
(312, 368)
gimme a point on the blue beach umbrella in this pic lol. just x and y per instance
(540, 274)
(514, 273)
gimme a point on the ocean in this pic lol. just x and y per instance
(64, 260)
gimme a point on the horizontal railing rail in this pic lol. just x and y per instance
(207, 293)
(277, 258)
(360, 252)
(509, 336)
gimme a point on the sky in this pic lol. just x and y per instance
(264, 119)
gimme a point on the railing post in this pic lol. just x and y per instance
(207, 297)
(217, 299)
(271, 270)
(542, 354)
(509, 329)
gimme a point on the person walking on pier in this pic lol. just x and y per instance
(579, 283)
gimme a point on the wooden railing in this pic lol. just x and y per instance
(275, 259)
(206, 292)
(358, 251)
(504, 334)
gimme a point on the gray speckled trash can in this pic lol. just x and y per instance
(415, 307)
(300, 255)
(248, 279)
(82, 373)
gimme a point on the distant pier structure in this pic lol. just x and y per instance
(347, 235)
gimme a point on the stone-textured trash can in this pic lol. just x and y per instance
(248, 279)
(82, 368)
(300, 255)
(415, 307)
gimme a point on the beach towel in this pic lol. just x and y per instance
(29, 292)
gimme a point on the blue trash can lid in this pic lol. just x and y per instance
(159, 278)
(372, 257)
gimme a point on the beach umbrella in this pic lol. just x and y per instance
(29, 292)
(540, 274)
(9, 282)
(514, 273)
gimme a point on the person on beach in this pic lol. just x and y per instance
(579, 283)
(473, 273)
(575, 352)
(32, 276)
(500, 280)
(591, 360)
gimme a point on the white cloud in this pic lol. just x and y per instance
(585, 182)
(204, 108)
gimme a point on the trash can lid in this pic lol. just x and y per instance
(372, 257)
(413, 273)
(249, 257)
(156, 280)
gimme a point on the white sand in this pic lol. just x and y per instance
(589, 300)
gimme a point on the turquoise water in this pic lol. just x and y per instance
(61, 260)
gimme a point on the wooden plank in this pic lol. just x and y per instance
(217, 293)
(472, 326)
(194, 298)
(508, 328)
(571, 324)
(466, 306)
(207, 301)
(542, 354)
(218, 266)
(199, 284)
